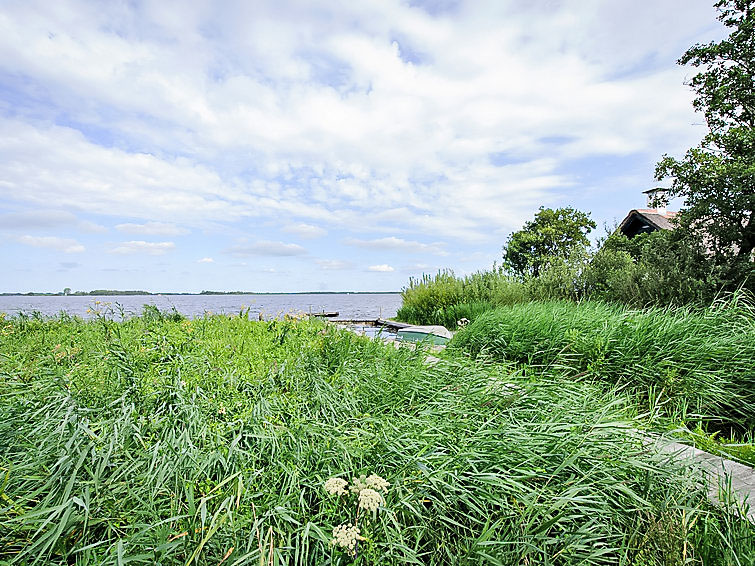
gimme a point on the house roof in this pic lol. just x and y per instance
(646, 220)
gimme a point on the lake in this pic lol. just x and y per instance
(350, 306)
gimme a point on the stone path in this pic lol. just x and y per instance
(723, 474)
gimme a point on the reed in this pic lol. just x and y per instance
(170, 441)
(690, 363)
(444, 298)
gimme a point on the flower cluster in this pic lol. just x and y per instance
(369, 499)
(368, 490)
(377, 483)
(373, 481)
(346, 537)
(336, 486)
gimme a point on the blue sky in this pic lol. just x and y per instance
(300, 146)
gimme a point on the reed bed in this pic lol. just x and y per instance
(697, 364)
(168, 441)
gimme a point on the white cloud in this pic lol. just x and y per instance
(29, 220)
(153, 229)
(333, 264)
(206, 260)
(383, 268)
(267, 248)
(307, 231)
(91, 227)
(400, 245)
(320, 104)
(142, 247)
(388, 125)
(41, 219)
(65, 245)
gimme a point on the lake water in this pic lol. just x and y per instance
(349, 306)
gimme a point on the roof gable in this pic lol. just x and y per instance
(644, 220)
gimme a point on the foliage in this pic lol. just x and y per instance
(612, 275)
(448, 316)
(666, 267)
(207, 441)
(729, 446)
(663, 268)
(553, 234)
(445, 298)
(717, 178)
(701, 363)
(423, 297)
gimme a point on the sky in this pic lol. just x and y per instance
(323, 146)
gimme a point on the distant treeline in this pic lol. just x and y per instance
(96, 292)
(111, 292)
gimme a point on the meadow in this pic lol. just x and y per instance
(162, 440)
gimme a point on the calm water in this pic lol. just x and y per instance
(349, 306)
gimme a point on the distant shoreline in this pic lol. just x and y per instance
(99, 293)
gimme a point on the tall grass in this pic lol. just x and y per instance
(701, 362)
(654, 269)
(160, 440)
(445, 298)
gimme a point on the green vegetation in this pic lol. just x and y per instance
(728, 446)
(716, 179)
(172, 441)
(553, 234)
(445, 298)
(683, 364)
(663, 268)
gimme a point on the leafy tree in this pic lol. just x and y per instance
(552, 234)
(659, 268)
(717, 178)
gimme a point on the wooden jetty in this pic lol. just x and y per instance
(389, 324)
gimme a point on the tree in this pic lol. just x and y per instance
(717, 178)
(67, 291)
(552, 234)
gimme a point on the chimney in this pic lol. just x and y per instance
(657, 199)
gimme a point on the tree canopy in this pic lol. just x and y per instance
(552, 234)
(717, 178)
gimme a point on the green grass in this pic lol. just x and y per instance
(686, 364)
(444, 298)
(160, 440)
(739, 449)
(447, 316)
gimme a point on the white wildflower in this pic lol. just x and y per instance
(369, 499)
(346, 536)
(358, 484)
(377, 483)
(336, 486)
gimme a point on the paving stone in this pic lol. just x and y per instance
(724, 475)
